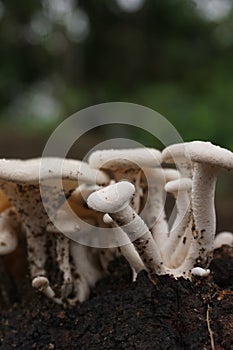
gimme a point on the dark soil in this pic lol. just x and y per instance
(177, 314)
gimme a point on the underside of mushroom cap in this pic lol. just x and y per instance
(112, 198)
(136, 157)
(206, 152)
(36, 169)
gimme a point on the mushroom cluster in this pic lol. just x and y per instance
(123, 191)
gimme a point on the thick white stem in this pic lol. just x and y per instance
(63, 260)
(141, 238)
(203, 194)
(176, 247)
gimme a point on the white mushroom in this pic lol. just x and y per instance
(207, 160)
(23, 180)
(223, 238)
(199, 271)
(115, 200)
(126, 164)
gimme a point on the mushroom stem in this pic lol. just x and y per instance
(177, 245)
(145, 245)
(154, 213)
(63, 259)
(86, 271)
(127, 249)
(203, 194)
(115, 200)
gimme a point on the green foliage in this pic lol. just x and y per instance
(165, 56)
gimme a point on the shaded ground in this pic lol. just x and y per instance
(124, 315)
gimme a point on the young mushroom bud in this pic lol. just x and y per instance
(115, 200)
(223, 238)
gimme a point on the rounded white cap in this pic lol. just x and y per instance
(129, 158)
(36, 169)
(112, 198)
(223, 238)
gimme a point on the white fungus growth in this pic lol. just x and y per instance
(129, 203)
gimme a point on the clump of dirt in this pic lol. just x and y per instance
(176, 314)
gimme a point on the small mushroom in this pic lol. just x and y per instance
(199, 271)
(223, 238)
(32, 184)
(115, 200)
(126, 164)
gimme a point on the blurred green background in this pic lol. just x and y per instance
(59, 56)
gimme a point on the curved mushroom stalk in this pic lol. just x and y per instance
(127, 248)
(9, 228)
(126, 164)
(177, 245)
(115, 200)
(154, 213)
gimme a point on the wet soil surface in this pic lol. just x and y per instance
(176, 314)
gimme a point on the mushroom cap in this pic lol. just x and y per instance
(112, 198)
(49, 168)
(130, 158)
(182, 184)
(199, 271)
(223, 238)
(200, 152)
(174, 152)
(40, 282)
(206, 152)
